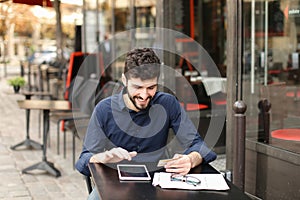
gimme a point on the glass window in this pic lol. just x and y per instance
(271, 66)
(106, 18)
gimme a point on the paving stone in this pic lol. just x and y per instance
(43, 197)
(36, 188)
(39, 185)
(17, 198)
(53, 188)
(19, 193)
(27, 178)
(57, 195)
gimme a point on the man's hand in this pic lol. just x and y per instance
(183, 163)
(113, 156)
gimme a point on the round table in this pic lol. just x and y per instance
(287, 134)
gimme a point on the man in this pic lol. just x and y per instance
(134, 124)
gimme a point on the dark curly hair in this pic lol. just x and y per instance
(142, 63)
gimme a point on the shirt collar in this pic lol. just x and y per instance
(120, 99)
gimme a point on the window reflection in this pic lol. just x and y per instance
(271, 58)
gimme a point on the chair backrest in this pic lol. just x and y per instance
(76, 60)
(75, 85)
(82, 98)
(108, 89)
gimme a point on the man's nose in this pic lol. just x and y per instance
(144, 93)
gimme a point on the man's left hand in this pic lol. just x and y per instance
(181, 165)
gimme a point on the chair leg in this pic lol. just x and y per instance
(88, 184)
(39, 122)
(74, 132)
(58, 137)
(49, 139)
(65, 138)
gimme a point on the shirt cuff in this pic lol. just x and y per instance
(82, 164)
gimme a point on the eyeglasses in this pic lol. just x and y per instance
(187, 179)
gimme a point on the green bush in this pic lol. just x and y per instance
(18, 81)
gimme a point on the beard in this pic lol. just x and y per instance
(134, 100)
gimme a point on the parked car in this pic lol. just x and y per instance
(45, 56)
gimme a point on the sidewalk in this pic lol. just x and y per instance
(38, 185)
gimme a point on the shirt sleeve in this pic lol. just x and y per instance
(83, 161)
(94, 142)
(188, 135)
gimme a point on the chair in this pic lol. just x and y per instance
(56, 71)
(83, 102)
(79, 124)
(88, 182)
(80, 95)
(60, 116)
(107, 90)
(75, 62)
(81, 108)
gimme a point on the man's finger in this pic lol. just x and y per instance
(180, 171)
(121, 153)
(133, 153)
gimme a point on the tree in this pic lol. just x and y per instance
(17, 16)
(4, 13)
(59, 33)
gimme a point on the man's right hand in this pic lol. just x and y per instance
(113, 156)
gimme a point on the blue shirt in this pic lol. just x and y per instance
(112, 124)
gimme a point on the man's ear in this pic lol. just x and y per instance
(124, 80)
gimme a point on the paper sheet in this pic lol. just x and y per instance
(208, 182)
(213, 85)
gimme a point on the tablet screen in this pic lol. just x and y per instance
(133, 172)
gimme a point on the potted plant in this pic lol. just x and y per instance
(17, 83)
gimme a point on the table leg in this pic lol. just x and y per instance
(44, 165)
(28, 143)
(29, 76)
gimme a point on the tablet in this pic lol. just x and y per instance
(133, 172)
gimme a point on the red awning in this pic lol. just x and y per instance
(44, 3)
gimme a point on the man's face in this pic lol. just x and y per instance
(141, 92)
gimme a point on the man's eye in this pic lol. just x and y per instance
(137, 87)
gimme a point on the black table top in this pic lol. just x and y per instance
(109, 186)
